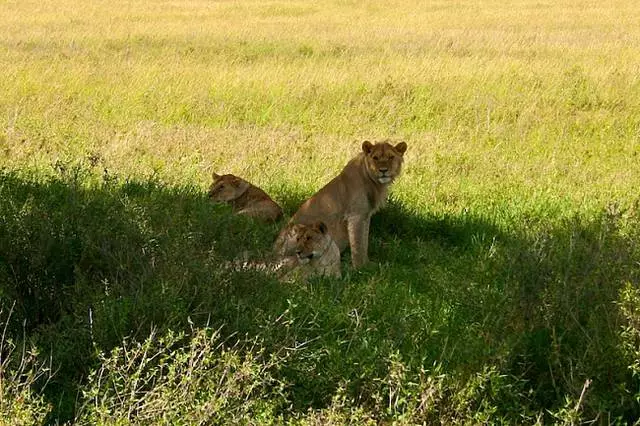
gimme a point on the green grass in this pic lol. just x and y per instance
(504, 269)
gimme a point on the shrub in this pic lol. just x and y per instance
(183, 379)
(20, 369)
(630, 337)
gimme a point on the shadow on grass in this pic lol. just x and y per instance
(91, 261)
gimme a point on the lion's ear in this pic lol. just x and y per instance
(215, 176)
(240, 184)
(367, 147)
(320, 226)
(401, 147)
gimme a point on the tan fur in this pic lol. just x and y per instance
(347, 202)
(280, 266)
(245, 198)
(315, 252)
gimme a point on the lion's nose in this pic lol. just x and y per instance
(309, 256)
(383, 169)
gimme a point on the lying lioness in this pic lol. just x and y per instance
(245, 198)
(308, 251)
(316, 252)
(347, 202)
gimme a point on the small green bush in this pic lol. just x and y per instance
(630, 335)
(183, 379)
(20, 369)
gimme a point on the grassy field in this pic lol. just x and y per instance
(504, 283)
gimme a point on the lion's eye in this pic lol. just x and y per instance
(376, 158)
(308, 238)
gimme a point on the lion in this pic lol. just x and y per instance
(245, 198)
(347, 202)
(315, 254)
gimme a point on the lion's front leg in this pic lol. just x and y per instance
(333, 271)
(358, 227)
(283, 244)
(253, 212)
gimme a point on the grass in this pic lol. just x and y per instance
(505, 267)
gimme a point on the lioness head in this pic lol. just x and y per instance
(227, 188)
(383, 160)
(311, 241)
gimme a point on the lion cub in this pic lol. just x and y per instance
(245, 198)
(347, 202)
(315, 252)
(308, 251)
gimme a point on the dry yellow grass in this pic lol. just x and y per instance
(525, 97)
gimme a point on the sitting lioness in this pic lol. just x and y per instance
(347, 202)
(245, 198)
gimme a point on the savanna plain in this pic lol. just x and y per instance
(504, 278)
